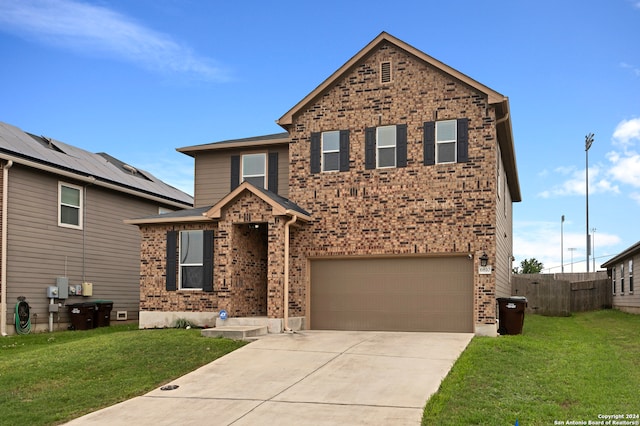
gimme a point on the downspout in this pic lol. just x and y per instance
(286, 272)
(3, 256)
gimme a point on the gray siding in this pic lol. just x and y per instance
(106, 252)
(504, 235)
(627, 301)
(213, 173)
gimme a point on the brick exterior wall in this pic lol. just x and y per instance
(440, 209)
(248, 264)
(444, 209)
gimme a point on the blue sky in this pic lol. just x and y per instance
(138, 79)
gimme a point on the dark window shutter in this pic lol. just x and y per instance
(401, 145)
(463, 140)
(370, 148)
(235, 171)
(172, 254)
(207, 261)
(272, 184)
(344, 150)
(429, 143)
(315, 153)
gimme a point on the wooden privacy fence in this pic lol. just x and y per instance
(562, 294)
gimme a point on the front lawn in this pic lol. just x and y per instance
(570, 369)
(50, 378)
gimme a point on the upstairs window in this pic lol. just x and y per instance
(446, 138)
(330, 151)
(70, 205)
(446, 141)
(254, 169)
(385, 146)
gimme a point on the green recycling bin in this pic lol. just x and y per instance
(511, 314)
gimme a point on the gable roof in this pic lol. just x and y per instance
(274, 139)
(280, 205)
(631, 251)
(100, 169)
(499, 101)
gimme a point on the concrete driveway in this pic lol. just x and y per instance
(306, 378)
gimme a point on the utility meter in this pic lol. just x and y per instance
(52, 292)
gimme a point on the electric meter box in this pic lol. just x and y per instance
(63, 287)
(87, 289)
(52, 292)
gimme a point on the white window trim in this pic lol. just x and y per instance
(631, 290)
(80, 208)
(180, 264)
(622, 279)
(333, 151)
(266, 172)
(454, 141)
(394, 146)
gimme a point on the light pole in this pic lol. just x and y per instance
(572, 249)
(593, 247)
(588, 141)
(562, 244)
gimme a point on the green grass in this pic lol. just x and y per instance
(559, 369)
(51, 378)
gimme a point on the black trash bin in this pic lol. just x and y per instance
(102, 316)
(511, 314)
(82, 315)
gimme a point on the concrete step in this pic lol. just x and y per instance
(236, 332)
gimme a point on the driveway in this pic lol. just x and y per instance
(305, 378)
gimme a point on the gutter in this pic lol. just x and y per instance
(286, 272)
(3, 256)
(91, 180)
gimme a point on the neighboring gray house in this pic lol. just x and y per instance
(621, 271)
(62, 212)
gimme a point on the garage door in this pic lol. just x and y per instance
(392, 294)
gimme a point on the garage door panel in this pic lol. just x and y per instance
(394, 294)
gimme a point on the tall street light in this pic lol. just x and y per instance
(562, 244)
(588, 141)
(593, 247)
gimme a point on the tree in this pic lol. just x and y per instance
(529, 266)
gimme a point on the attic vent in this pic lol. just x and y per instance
(385, 72)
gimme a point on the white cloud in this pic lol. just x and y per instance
(627, 132)
(576, 183)
(635, 70)
(92, 29)
(542, 241)
(625, 167)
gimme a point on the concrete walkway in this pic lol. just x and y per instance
(306, 378)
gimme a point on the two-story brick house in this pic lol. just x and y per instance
(393, 182)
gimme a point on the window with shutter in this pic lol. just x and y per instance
(330, 151)
(254, 169)
(446, 141)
